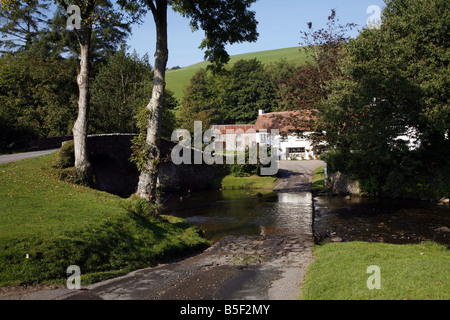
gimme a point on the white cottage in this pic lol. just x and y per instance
(291, 146)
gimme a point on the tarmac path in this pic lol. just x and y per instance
(24, 155)
(235, 268)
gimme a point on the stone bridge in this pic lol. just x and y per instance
(110, 153)
(114, 173)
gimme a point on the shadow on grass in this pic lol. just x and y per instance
(114, 248)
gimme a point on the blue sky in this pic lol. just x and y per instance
(280, 24)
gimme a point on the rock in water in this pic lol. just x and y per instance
(442, 229)
(444, 200)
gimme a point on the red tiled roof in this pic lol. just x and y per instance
(287, 121)
(244, 127)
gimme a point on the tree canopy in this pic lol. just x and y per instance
(394, 84)
(235, 95)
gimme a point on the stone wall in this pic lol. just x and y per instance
(341, 184)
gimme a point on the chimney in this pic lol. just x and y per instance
(261, 112)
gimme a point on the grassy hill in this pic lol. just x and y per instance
(177, 80)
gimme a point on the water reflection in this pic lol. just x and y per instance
(303, 197)
(222, 213)
(381, 220)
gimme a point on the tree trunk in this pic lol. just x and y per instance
(148, 179)
(80, 129)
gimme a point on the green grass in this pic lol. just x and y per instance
(318, 180)
(178, 79)
(59, 224)
(415, 271)
(246, 183)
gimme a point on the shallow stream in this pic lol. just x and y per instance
(237, 213)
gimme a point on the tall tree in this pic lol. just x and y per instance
(119, 90)
(92, 13)
(248, 90)
(224, 22)
(396, 78)
(305, 89)
(20, 25)
(395, 83)
(198, 102)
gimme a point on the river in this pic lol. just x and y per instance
(237, 213)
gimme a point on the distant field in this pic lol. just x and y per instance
(177, 80)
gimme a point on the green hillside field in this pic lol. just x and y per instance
(178, 79)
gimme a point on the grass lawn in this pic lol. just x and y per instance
(318, 180)
(416, 272)
(253, 182)
(58, 224)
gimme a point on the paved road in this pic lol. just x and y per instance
(296, 176)
(25, 155)
(235, 268)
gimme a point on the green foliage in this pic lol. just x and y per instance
(245, 90)
(119, 91)
(369, 168)
(198, 102)
(142, 152)
(21, 24)
(39, 92)
(64, 166)
(232, 97)
(142, 208)
(37, 97)
(66, 156)
(392, 174)
(394, 83)
(244, 170)
(247, 169)
(178, 80)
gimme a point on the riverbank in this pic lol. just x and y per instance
(406, 240)
(248, 183)
(47, 225)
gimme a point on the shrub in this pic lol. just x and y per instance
(142, 208)
(247, 169)
(66, 156)
(407, 174)
(243, 170)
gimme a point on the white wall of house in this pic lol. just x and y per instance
(294, 147)
(289, 148)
